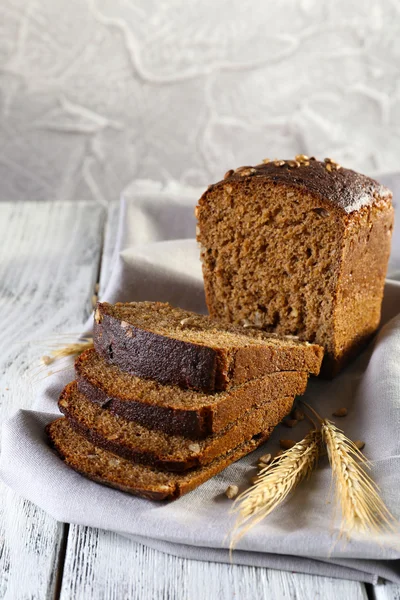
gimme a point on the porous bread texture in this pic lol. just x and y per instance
(300, 251)
(114, 471)
(175, 410)
(167, 452)
(192, 350)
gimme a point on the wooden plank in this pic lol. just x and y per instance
(49, 257)
(385, 591)
(104, 566)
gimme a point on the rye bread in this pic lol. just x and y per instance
(172, 409)
(114, 471)
(163, 451)
(298, 247)
(157, 341)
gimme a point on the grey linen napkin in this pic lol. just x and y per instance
(156, 258)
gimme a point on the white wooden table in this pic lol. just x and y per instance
(51, 257)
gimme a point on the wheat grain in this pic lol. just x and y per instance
(355, 492)
(274, 483)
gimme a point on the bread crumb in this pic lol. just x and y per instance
(231, 491)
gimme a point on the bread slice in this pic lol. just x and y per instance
(298, 247)
(175, 410)
(167, 452)
(148, 482)
(193, 351)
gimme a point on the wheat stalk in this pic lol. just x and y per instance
(356, 493)
(274, 484)
(73, 349)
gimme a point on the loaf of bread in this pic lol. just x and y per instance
(192, 350)
(175, 410)
(298, 247)
(106, 467)
(165, 452)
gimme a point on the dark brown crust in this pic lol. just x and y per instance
(170, 420)
(189, 365)
(158, 496)
(343, 188)
(143, 458)
(141, 493)
(165, 360)
(257, 422)
(200, 422)
(178, 487)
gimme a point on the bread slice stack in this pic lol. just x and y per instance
(167, 398)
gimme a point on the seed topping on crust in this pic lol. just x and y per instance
(300, 160)
(331, 165)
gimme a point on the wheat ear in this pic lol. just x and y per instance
(73, 349)
(356, 493)
(274, 483)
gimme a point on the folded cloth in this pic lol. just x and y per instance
(156, 258)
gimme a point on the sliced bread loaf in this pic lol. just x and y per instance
(175, 410)
(148, 482)
(167, 452)
(174, 346)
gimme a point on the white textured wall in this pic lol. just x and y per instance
(97, 93)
